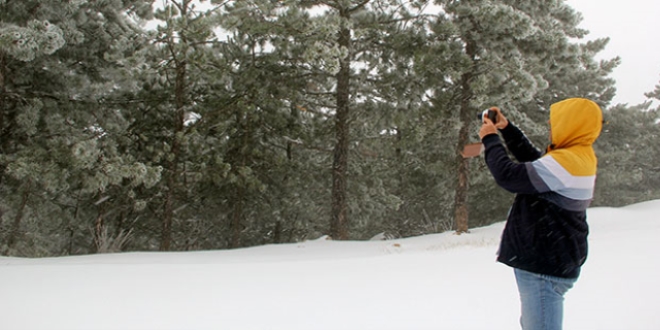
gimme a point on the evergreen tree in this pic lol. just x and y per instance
(269, 186)
(165, 132)
(237, 123)
(508, 54)
(628, 154)
(342, 70)
(57, 62)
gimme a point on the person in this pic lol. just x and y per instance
(545, 236)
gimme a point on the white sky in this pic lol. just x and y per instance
(633, 27)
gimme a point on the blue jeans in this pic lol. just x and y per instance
(542, 300)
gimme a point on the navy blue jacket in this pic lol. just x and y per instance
(546, 229)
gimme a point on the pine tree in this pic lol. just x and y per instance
(509, 53)
(57, 63)
(164, 112)
(249, 122)
(339, 62)
(270, 187)
(628, 154)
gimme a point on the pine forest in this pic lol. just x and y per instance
(176, 125)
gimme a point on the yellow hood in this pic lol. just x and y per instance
(575, 125)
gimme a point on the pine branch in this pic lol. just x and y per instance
(358, 6)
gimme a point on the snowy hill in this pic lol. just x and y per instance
(441, 281)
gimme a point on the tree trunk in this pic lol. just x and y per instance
(461, 196)
(173, 166)
(3, 108)
(235, 224)
(2, 116)
(16, 226)
(466, 117)
(3, 90)
(339, 223)
(168, 210)
(277, 235)
(99, 227)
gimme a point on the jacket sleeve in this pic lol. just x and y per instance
(519, 145)
(519, 178)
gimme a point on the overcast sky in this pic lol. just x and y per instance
(634, 30)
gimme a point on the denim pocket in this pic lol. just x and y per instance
(559, 284)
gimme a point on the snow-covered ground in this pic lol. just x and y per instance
(435, 282)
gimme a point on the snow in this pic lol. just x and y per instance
(441, 281)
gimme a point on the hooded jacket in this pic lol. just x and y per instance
(546, 229)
